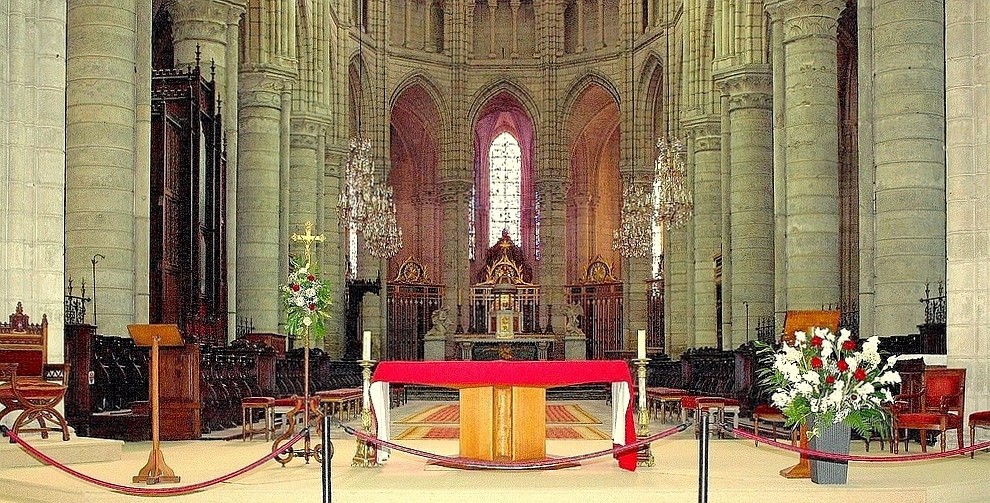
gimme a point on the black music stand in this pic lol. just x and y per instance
(155, 336)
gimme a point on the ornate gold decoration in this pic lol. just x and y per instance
(598, 271)
(412, 272)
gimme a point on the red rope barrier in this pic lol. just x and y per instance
(856, 457)
(513, 465)
(143, 491)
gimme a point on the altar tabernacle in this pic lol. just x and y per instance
(529, 374)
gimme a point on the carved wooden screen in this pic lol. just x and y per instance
(600, 298)
(412, 298)
(187, 207)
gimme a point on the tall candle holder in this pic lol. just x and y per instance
(644, 456)
(460, 328)
(366, 455)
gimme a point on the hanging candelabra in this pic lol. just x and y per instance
(674, 203)
(382, 235)
(634, 237)
(358, 183)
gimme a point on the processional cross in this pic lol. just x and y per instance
(308, 240)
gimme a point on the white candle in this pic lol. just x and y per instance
(366, 346)
(641, 344)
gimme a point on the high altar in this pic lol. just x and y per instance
(504, 312)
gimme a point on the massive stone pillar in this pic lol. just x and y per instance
(454, 196)
(32, 138)
(333, 252)
(968, 140)
(258, 190)
(705, 145)
(811, 156)
(750, 194)
(908, 141)
(553, 203)
(305, 172)
(100, 184)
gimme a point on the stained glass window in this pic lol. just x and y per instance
(538, 248)
(504, 180)
(352, 250)
(472, 225)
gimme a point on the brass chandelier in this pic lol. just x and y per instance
(368, 206)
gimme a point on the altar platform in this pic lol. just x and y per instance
(740, 473)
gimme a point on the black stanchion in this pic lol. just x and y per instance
(327, 449)
(703, 459)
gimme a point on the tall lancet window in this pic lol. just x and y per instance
(504, 181)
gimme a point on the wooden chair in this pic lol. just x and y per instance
(942, 402)
(28, 383)
(979, 419)
(769, 414)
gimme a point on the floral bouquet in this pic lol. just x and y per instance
(823, 380)
(307, 302)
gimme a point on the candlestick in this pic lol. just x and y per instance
(641, 344)
(366, 346)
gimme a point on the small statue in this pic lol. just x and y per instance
(441, 324)
(572, 326)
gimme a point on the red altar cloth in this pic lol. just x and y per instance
(545, 374)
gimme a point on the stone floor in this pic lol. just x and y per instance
(739, 472)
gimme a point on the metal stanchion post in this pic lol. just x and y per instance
(327, 448)
(703, 459)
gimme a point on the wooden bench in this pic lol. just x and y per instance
(26, 377)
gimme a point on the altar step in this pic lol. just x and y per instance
(576, 392)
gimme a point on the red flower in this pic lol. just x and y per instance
(830, 380)
(860, 374)
(849, 345)
(816, 341)
(816, 362)
(843, 366)
(295, 287)
(312, 307)
(310, 278)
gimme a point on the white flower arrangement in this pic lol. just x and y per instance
(307, 303)
(824, 380)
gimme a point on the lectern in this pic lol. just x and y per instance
(155, 336)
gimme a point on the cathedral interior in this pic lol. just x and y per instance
(491, 179)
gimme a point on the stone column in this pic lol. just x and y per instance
(908, 138)
(258, 252)
(101, 107)
(706, 145)
(32, 166)
(811, 126)
(305, 168)
(751, 197)
(580, 27)
(453, 198)
(515, 27)
(201, 25)
(232, 58)
(492, 5)
(552, 268)
(334, 250)
(967, 83)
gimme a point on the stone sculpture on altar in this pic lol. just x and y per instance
(441, 324)
(572, 326)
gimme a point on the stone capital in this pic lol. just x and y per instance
(260, 89)
(454, 190)
(806, 18)
(706, 131)
(747, 86)
(305, 133)
(204, 20)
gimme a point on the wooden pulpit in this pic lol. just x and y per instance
(155, 336)
(807, 321)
